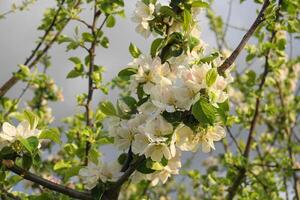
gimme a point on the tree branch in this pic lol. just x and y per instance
(242, 172)
(90, 80)
(13, 80)
(10, 165)
(260, 18)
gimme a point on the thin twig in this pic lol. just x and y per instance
(234, 140)
(242, 172)
(260, 18)
(90, 80)
(13, 80)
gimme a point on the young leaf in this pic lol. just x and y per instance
(111, 21)
(73, 74)
(187, 20)
(126, 73)
(52, 134)
(211, 77)
(155, 46)
(30, 143)
(105, 42)
(134, 51)
(31, 118)
(75, 60)
(167, 11)
(108, 108)
(87, 37)
(204, 112)
(200, 4)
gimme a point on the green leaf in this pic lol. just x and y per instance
(94, 155)
(200, 4)
(73, 74)
(26, 161)
(187, 20)
(75, 60)
(155, 46)
(105, 140)
(73, 171)
(126, 73)
(108, 108)
(31, 118)
(105, 42)
(251, 78)
(130, 102)
(134, 51)
(30, 144)
(60, 165)
(111, 21)
(122, 158)
(193, 42)
(98, 191)
(204, 112)
(209, 58)
(211, 77)
(143, 167)
(7, 153)
(223, 110)
(87, 37)
(52, 134)
(167, 11)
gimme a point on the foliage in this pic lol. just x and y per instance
(173, 100)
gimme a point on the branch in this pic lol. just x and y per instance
(90, 80)
(260, 18)
(242, 172)
(13, 80)
(9, 164)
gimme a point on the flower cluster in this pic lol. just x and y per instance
(142, 15)
(166, 86)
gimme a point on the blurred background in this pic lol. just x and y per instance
(18, 35)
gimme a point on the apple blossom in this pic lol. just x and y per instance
(11, 133)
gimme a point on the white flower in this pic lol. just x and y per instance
(183, 96)
(186, 140)
(195, 77)
(138, 177)
(123, 138)
(161, 94)
(90, 175)
(114, 124)
(10, 133)
(142, 14)
(139, 144)
(171, 168)
(110, 172)
(157, 149)
(211, 135)
(158, 127)
(150, 70)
